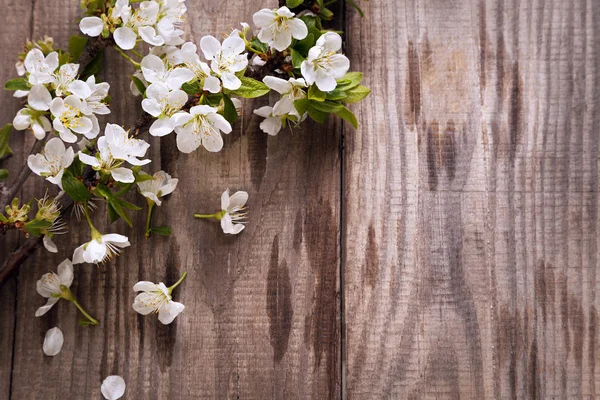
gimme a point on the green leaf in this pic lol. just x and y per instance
(112, 214)
(302, 105)
(35, 226)
(17, 84)
(314, 93)
(74, 188)
(304, 45)
(317, 115)
(126, 204)
(162, 230)
(140, 85)
(260, 46)
(297, 59)
(357, 94)
(142, 177)
(325, 14)
(114, 203)
(103, 191)
(3, 218)
(5, 149)
(3, 173)
(229, 111)
(250, 88)
(293, 3)
(327, 106)
(76, 45)
(349, 81)
(190, 88)
(336, 95)
(348, 116)
(94, 67)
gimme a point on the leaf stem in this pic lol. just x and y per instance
(206, 215)
(131, 60)
(149, 218)
(92, 320)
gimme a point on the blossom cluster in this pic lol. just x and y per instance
(193, 91)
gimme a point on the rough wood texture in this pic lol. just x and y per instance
(470, 201)
(468, 236)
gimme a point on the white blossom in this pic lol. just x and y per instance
(114, 148)
(113, 387)
(69, 116)
(233, 211)
(226, 59)
(201, 126)
(63, 78)
(52, 161)
(188, 56)
(93, 94)
(49, 285)
(324, 65)
(40, 68)
(277, 27)
(100, 249)
(290, 91)
(53, 342)
(160, 185)
(30, 118)
(162, 103)
(272, 123)
(156, 298)
(155, 71)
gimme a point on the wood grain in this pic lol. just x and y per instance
(470, 201)
(262, 309)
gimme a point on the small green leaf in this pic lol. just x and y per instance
(162, 230)
(74, 188)
(326, 106)
(114, 203)
(76, 45)
(297, 59)
(353, 4)
(142, 177)
(112, 214)
(302, 105)
(190, 88)
(126, 204)
(103, 191)
(94, 67)
(35, 226)
(325, 14)
(229, 111)
(140, 85)
(349, 81)
(304, 45)
(317, 115)
(348, 116)
(5, 149)
(260, 46)
(357, 94)
(314, 93)
(3, 173)
(336, 95)
(3, 218)
(293, 3)
(17, 84)
(250, 88)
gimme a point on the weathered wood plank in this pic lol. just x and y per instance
(470, 201)
(14, 31)
(262, 309)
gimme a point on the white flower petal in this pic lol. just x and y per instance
(122, 175)
(161, 127)
(53, 342)
(113, 387)
(210, 46)
(65, 272)
(39, 98)
(46, 307)
(91, 26)
(49, 244)
(125, 38)
(168, 312)
(238, 199)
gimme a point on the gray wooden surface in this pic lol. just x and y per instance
(446, 249)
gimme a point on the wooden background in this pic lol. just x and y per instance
(446, 249)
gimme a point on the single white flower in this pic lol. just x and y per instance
(188, 56)
(113, 387)
(324, 65)
(162, 103)
(139, 22)
(233, 211)
(290, 91)
(170, 20)
(201, 126)
(69, 117)
(63, 78)
(52, 161)
(39, 98)
(157, 299)
(100, 248)
(277, 27)
(155, 71)
(40, 68)
(50, 284)
(53, 342)
(93, 94)
(160, 185)
(226, 59)
(272, 123)
(30, 118)
(114, 148)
